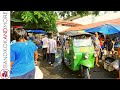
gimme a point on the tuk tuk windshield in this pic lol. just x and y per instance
(82, 42)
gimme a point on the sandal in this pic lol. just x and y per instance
(97, 65)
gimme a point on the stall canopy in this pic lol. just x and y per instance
(36, 31)
(17, 27)
(105, 29)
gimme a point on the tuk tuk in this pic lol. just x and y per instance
(78, 52)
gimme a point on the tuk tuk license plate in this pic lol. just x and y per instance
(85, 49)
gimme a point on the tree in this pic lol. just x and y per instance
(46, 19)
(37, 19)
(69, 14)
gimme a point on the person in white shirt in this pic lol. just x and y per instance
(52, 49)
(44, 46)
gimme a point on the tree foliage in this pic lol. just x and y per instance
(68, 14)
(37, 19)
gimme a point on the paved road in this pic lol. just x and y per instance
(60, 71)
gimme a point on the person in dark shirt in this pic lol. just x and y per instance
(108, 44)
(102, 45)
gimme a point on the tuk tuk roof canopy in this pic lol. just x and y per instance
(75, 33)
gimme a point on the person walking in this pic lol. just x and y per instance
(44, 46)
(97, 48)
(23, 57)
(52, 49)
(102, 46)
(109, 45)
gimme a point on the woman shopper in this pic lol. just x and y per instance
(23, 57)
(97, 49)
(102, 46)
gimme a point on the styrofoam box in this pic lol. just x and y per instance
(108, 67)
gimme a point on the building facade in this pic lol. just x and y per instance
(103, 16)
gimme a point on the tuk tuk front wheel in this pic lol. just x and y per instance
(85, 72)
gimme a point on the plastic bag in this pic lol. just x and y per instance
(38, 73)
(56, 55)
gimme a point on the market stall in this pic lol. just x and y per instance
(111, 63)
(36, 35)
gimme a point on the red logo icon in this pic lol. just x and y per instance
(4, 74)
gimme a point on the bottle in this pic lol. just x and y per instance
(104, 51)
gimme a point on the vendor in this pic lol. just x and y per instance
(108, 44)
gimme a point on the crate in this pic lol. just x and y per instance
(108, 66)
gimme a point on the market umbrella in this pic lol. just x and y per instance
(105, 29)
(35, 31)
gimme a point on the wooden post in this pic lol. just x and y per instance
(119, 51)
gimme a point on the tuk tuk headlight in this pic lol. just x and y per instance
(86, 56)
(74, 57)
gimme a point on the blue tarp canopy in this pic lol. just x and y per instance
(35, 31)
(105, 29)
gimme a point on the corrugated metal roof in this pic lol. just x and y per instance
(83, 27)
(67, 22)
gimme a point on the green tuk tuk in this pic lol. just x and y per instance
(78, 52)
